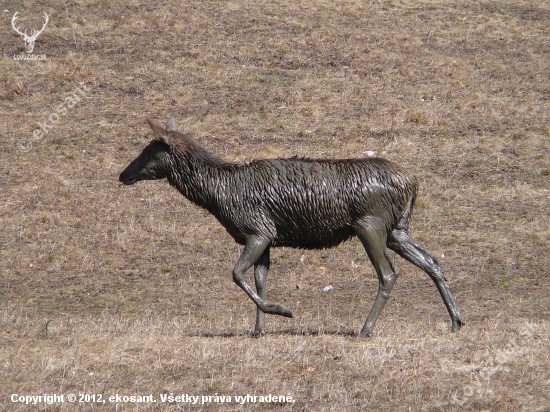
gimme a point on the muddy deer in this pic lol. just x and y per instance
(296, 202)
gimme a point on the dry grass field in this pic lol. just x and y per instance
(110, 290)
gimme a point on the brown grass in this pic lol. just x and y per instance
(109, 289)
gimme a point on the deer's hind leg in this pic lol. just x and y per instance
(372, 234)
(401, 242)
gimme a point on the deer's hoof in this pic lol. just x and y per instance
(285, 312)
(273, 309)
(258, 334)
(457, 324)
(366, 332)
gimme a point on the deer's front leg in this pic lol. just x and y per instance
(253, 250)
(261, 267)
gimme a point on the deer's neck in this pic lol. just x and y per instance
(203, 179)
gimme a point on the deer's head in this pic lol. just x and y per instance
(154, 162)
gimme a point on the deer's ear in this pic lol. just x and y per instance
(161, 133)
(171, 125)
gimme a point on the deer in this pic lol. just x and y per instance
(29, 40)
(296, 202)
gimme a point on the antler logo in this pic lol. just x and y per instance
(29, 40)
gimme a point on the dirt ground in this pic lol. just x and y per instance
(109, 290)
